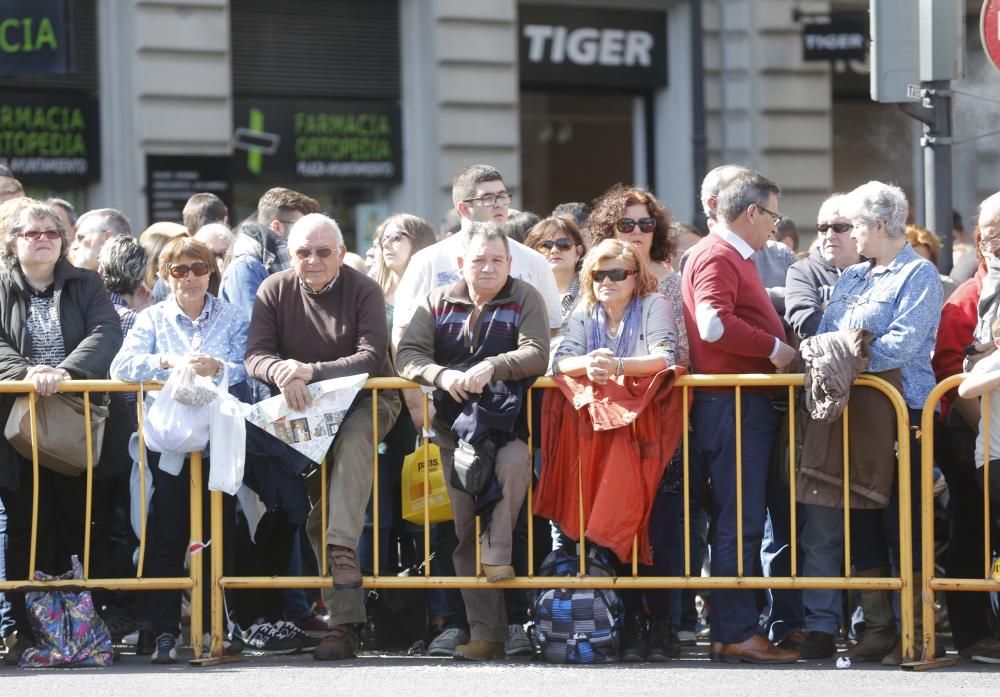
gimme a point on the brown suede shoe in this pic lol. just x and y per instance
(756, 649)
(340, 643)
(501, 572)
(343, 567)
(479, 650)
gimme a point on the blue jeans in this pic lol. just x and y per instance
(734, 612)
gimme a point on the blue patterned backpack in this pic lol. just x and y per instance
(578, 625)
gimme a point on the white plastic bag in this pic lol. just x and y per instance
(227, 442)
(172, 427)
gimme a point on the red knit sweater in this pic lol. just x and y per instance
(723, 288)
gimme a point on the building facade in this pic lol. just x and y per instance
(372, 106)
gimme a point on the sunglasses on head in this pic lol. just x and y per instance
(199, 268)
(563, 244)
(35, 235)
(836, 227)
(628, 225)
(320, 252)
(616, 275)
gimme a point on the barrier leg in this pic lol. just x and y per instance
(218, 623)
(927, 661)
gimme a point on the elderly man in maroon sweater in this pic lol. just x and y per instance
(316, 321)
(733, 328)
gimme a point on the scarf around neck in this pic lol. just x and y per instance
(623, 345)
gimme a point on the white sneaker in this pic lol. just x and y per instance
(444, 644)
(518, 643)
(687, 638)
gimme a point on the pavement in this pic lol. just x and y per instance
(406, 676)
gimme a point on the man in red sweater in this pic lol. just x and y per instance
(733, 328)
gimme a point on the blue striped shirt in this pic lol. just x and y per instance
(220, 331)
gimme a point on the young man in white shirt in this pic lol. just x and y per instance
(480, 195)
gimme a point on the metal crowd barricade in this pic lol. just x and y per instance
(902, 583)
(932, 583)
(194, 582)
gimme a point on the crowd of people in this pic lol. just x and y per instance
(615, 300)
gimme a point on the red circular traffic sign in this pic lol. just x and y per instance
(989, 30)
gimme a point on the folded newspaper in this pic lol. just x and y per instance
(311, 431)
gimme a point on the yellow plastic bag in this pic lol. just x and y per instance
(413, 487)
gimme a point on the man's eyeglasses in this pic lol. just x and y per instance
(627, 225)
(835, 227)
(775, 218)
(319, 252)
(199, 268)
(616, 275)
(563, 244)
(501, 199)
(35, 235)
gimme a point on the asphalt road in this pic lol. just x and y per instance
(371, 675)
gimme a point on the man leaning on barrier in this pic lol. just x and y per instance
(481, 341)
(316, 321)
(733, 328)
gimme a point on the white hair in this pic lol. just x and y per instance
(313, 221)
(990, 206)
(876, 200)
(206, 233)
(834, 203)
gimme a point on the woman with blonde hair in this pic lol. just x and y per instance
(621, 325)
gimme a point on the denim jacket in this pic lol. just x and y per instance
(900, 303)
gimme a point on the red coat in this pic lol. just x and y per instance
(621, 444)
(958, 322)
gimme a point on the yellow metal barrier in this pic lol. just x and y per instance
(219, 581)
(194, 582)
(931, 583)
(903, 583)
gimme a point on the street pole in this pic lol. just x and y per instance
(935, 113)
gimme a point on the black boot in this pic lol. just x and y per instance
(663, 642)
(635, 644)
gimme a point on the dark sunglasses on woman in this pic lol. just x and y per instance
(628, 225)
(562, 244)
(616, 275)
(199, 268)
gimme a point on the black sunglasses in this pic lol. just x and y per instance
(563, 244)
(616, 275)
(836, 227)
(628, 225)
(321, 252)
(199, 268)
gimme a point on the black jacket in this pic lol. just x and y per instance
(91, 330)
(808, 287)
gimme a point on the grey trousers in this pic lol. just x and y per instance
(349, 464)
(485, 609)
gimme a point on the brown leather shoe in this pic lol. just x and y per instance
(793, 642)
(340, 643)
(343, 567)
(479, 650)
(756, 649)
(501, 572)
